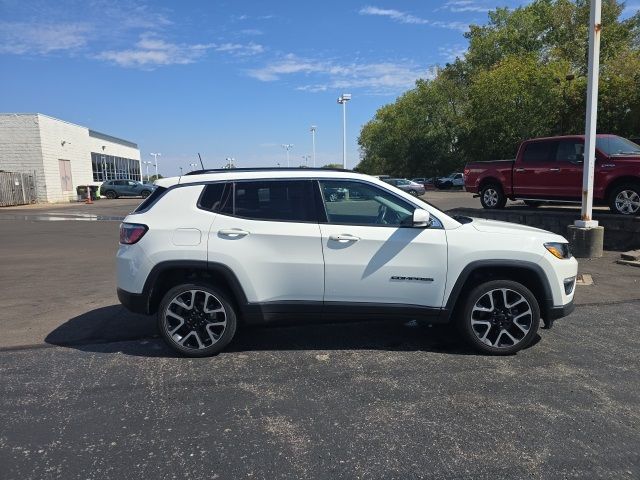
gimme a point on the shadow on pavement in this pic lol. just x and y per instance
(115, 330)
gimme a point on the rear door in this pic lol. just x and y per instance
(373, 256)
(534, 168)
(267, 232)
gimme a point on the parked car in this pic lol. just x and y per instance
(415, 189)
(207, 253)
(425, 182)
(450, 181)
(126, 188)
(550, 169)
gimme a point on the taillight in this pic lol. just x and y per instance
(131, 233)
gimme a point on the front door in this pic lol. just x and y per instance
(372, 255)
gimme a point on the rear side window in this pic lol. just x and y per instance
(290, 201)
(150, 200)
(537, 152)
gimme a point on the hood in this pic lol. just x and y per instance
(507, 228)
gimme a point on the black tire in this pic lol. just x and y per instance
(502, 321)
(413, 192)
(196, 319)
(492, 196)
(145, 193)
(624, 199)
(110, 194)
(532, 203)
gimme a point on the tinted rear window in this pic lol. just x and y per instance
(150, 200)
(537, 152)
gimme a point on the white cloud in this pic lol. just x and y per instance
(465, 6)
(451, 52)
(41, 38)
(407, 18)
(396, 15)
(151, 51)
(240, 49)
(380, 77)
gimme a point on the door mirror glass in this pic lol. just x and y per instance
(421, 218)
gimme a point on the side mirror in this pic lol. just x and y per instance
(421, 218)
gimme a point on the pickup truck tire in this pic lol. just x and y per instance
(625, 199)
(500, 317)
(197, 320)
(492, 196)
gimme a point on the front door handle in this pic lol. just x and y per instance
(344, 238)
(233, 233)
(554, 169)
(519, 170)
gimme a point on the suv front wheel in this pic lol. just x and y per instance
(500, 317)
(196, 320)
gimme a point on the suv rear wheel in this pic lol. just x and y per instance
(500, 317)
(145, 193)
(492, 196)
(625, 199)
(196, 320)
(110, 194)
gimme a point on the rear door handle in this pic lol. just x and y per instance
(519, 170)
(233, 233)
(344, 238)
(554, 169)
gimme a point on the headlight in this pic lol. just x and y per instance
(558, 250)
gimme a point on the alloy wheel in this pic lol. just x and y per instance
(195, 319)
(628, 202)
(490, 197)
(501, 318)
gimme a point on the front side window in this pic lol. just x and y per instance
(570, 151)
(356, 203)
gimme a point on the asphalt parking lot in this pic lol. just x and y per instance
(88, 391)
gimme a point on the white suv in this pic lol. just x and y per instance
(212, 250)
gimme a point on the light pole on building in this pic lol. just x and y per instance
(343, 99)
(287, 147)
(313, 143)
(155, 159)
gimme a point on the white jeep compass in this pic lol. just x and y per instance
(214, 249)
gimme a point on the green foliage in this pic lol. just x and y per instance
(522, 76)
(332, 165)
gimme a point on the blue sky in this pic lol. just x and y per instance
(226, 79)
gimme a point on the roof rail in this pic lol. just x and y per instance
(264, 169)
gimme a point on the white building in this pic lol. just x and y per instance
(63, 155)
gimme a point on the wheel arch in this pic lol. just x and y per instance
(489, 180)
(620, 181)
(166, 275)
(528, 274)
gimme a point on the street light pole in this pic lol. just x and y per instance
(155, 158)
(306, 158)
(287, 147)
(313, 144)
(147, 165)
(343, 99)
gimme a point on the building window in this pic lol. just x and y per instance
(109, 167)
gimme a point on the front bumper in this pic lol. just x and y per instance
(134, 302)
(554, 313)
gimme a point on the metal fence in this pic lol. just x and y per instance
(17, 188)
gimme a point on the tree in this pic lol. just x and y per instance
(522, 76)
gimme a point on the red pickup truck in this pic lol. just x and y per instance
(550, 170)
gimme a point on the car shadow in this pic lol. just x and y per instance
(113, 329)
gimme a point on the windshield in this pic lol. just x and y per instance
(614, 145)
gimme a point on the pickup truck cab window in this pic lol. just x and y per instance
(570, 151)
(537, 152)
